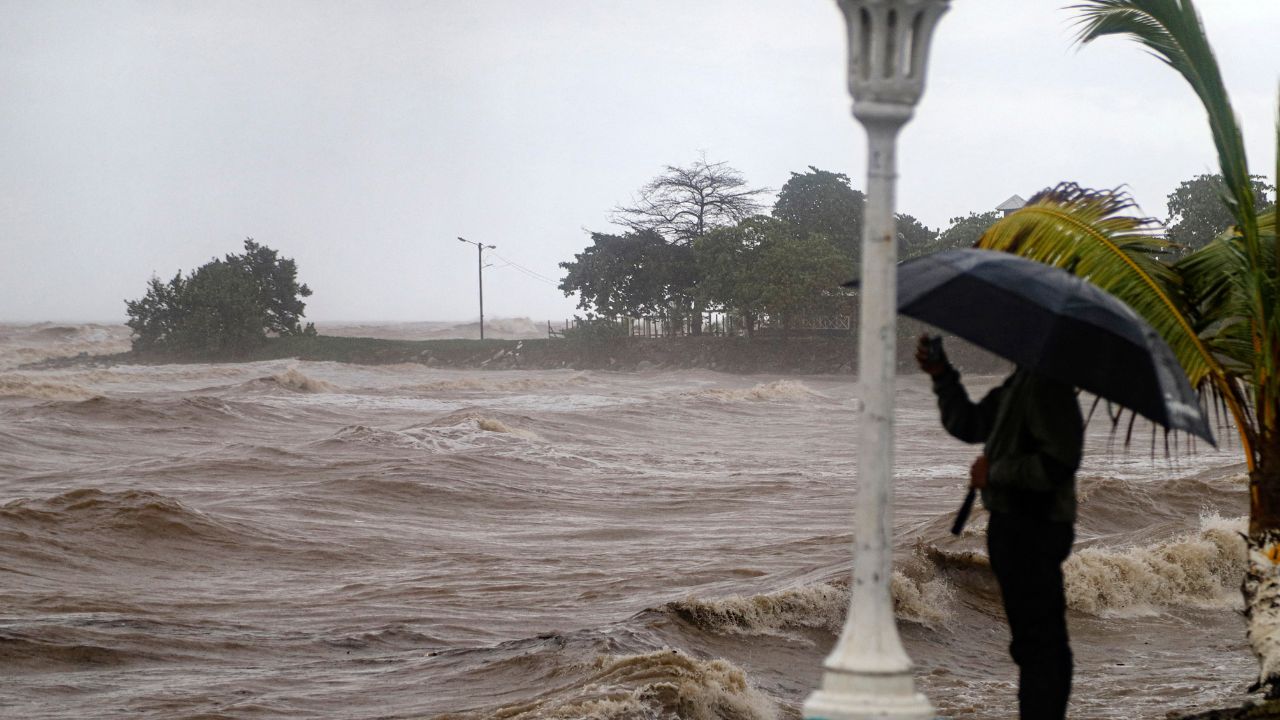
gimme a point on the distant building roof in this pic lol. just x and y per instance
(1013, 203)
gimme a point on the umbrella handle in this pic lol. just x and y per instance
(963, 515)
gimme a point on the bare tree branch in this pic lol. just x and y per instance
(684, 203)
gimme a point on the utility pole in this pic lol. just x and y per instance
(480, 248)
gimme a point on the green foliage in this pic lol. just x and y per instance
(682, 255)
(277, 289)
(679, 206)
(225, 307)
(768, 267)
(153, 317)
(914, 238)
(633, 274)
(800, 275)
(1219, 306)
(1093, 234)
(724, 258)
(819, 201)
(593, 330)
(965, 231)
(1230, 286)
(1197, 213)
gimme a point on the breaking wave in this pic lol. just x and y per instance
(20, 386)
(292, 379)
(1201, 569)
(821, 606)
(925, 600)
(776, 390)
(485, 384)
(467, 421)
(661, 684)
(376, 437)
(20, 344)
(456, 432)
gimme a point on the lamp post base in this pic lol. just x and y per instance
(849, 695)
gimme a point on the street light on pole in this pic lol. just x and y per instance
(480, 248)
(868, 674)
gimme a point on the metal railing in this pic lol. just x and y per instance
(713, 324)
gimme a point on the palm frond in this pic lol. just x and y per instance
(1225, 296)
(1238, 314)
(1090, 233)
(1171, 30)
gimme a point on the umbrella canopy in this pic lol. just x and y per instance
(1045, 318)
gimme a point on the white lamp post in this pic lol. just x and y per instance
(868, 674)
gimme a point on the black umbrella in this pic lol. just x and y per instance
(1045, 318)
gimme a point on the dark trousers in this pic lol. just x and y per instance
(1026, 554)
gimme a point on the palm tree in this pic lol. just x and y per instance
(1219, 307)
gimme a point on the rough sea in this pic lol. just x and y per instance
(294, 539)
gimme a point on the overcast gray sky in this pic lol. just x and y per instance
(361, 138)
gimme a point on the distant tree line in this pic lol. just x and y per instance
(696, 239)
(225, 307)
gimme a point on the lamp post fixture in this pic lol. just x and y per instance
(868, 674)
(480, 248)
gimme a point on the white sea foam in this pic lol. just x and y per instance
(293, 379)
(21, 386)
(776, 390)
(472, 383)
(1201, 569)
(662, 684)
(926, 601)
(920, 594)
(41, 341)
(819, 606)
(451, 434)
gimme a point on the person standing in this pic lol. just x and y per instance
(1032, 432)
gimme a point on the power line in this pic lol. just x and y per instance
(530, 273)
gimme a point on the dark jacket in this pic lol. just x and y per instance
(1033, 433)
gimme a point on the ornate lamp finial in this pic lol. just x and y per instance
(888, 53)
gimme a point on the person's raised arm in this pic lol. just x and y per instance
(964, 419)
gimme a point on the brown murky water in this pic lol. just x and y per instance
(292, 539)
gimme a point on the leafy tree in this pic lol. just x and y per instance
(914, 237)
(1218, 307)
(965, 231)
(276, 280)
(725, 258)
(681, 205)
(154, 316)
(820, 201)
(220, 311)
(799, 275)
(629, 274)
(1197, 213)
(223, 307)
(768, 267)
